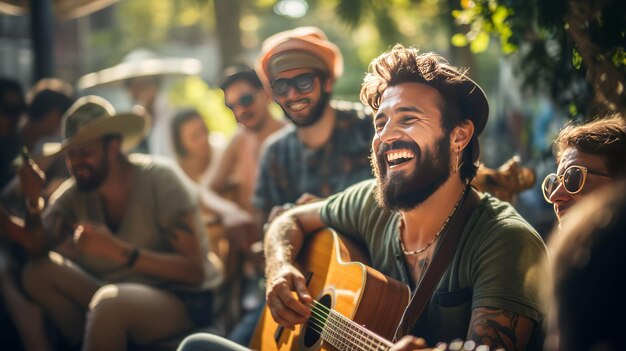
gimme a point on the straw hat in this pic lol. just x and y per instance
(302, 47)
(92, 117)
(63, 9)
(140, 63)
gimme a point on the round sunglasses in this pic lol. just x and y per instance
(573, 180)
(302, 82)
(244, 100)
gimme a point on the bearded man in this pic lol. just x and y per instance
(427, 119)
(326, 147)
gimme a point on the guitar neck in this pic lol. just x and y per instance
(345, 334)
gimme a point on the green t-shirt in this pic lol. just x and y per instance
(500, 262)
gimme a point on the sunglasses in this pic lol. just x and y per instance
(303, 84)
(244, 100)
(573, 180)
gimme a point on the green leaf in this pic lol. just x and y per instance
(499, 16)
(572, 109)
(618, 57)
(480, 43)
(577, 60)
(508, 48)
(459, 40)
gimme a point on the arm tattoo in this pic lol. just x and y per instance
(495, 327)
(279, 248)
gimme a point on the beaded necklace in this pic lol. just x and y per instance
(419, 251)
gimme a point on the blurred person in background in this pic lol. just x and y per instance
(587, 293)
(588, 157)
(236, 178)
(144, 75)
(250, 104)
(199, 159)
(49, 99)
(12, 106)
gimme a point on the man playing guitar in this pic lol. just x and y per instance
(427, 119)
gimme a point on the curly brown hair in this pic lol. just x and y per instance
(463, 98)
(605, 137)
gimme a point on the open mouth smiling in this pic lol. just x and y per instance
(398, 157)
(298, 105)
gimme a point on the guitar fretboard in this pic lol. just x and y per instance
(345, 334)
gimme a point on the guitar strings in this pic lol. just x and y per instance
(321, 314)
(344, 339)
(320, 311)
(320, 323)
(340, 338)
(351, 323)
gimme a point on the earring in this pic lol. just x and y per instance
(458, 165)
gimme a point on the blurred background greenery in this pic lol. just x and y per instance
(555, 42)
(541, 63)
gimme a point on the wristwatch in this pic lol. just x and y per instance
(134, 255)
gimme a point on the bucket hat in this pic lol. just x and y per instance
(302, 47)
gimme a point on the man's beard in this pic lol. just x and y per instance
(96, 178)
(314, 115)
(400, 192)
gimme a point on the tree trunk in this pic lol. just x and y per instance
(607, 80)
(227, 16)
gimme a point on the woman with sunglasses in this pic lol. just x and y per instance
(588, 156)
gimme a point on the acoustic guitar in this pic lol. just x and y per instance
(355, 308)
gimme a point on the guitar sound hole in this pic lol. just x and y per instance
(317, 321)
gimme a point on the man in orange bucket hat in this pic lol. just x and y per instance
(327, 146)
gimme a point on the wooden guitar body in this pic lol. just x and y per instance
(340, 282)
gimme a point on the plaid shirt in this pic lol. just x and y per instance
(288, 168)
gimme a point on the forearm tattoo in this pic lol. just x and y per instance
(278, 248)
(494, 327)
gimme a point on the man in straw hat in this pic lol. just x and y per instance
(119, 256)
(427, 119)
(326, 148)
